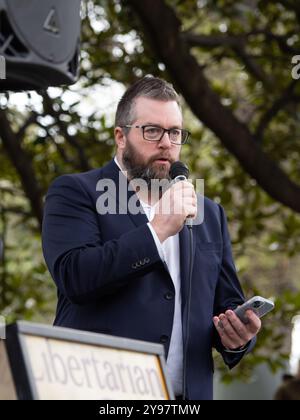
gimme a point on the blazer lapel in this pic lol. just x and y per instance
(184, 245)
(140, 218)
(125, 194)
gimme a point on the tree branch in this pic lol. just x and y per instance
(31, 120)
(206, 105)
(286, 97)
(213, 41)
(238, 40)
(3, 259)
(23, 164)
(237, 43)
(9, 190)
(16, 210)
(59, 148)
(48, 106)
(282, 43)
(253, 67)
(293, 5)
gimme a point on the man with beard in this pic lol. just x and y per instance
(126, 274)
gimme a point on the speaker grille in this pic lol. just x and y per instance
(10, 44)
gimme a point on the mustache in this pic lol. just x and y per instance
(158, 157)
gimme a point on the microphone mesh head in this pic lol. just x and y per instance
(179, 168)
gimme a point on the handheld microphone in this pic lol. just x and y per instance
(179, 171)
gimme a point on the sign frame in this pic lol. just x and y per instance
(19, 359)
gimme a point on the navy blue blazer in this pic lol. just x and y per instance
(110, 278)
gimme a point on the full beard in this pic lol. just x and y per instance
(146, 171)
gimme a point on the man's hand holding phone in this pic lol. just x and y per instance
(236, 328)
(233, 332)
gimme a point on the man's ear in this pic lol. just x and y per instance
(120, 138)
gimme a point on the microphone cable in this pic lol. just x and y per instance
(188, 309)
(180, 172)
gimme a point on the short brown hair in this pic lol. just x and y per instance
(147, 87)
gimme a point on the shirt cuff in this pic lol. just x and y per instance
(157, 242)
(239, 350)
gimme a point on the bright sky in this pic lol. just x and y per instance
(102, 99)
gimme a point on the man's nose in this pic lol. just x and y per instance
(165, 142)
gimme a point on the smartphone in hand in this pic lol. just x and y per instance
(259, 305)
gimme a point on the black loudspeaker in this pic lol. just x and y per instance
(39, 43)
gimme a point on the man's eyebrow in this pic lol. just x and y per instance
(152, 123)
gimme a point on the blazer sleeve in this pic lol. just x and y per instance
(84, 267)
(229, 294)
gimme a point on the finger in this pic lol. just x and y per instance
(219, 326)
(183, 185)
(184, 194)
(238, 326)
(188, 188)
(190, 211)
(220, 329)
(254, 324)
(189, 201)
(190, 204)
(230, 334)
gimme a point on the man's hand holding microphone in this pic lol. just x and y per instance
(177, 204)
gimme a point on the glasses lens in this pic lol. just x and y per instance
(152, 133)
(184, 136)
(175, 135)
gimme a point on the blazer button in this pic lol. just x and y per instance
(164, 339)
(169, 296)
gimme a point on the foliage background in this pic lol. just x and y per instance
(244, 51)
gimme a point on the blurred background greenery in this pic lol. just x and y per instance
(232, 63)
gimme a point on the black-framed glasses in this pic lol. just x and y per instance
(177, 136)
